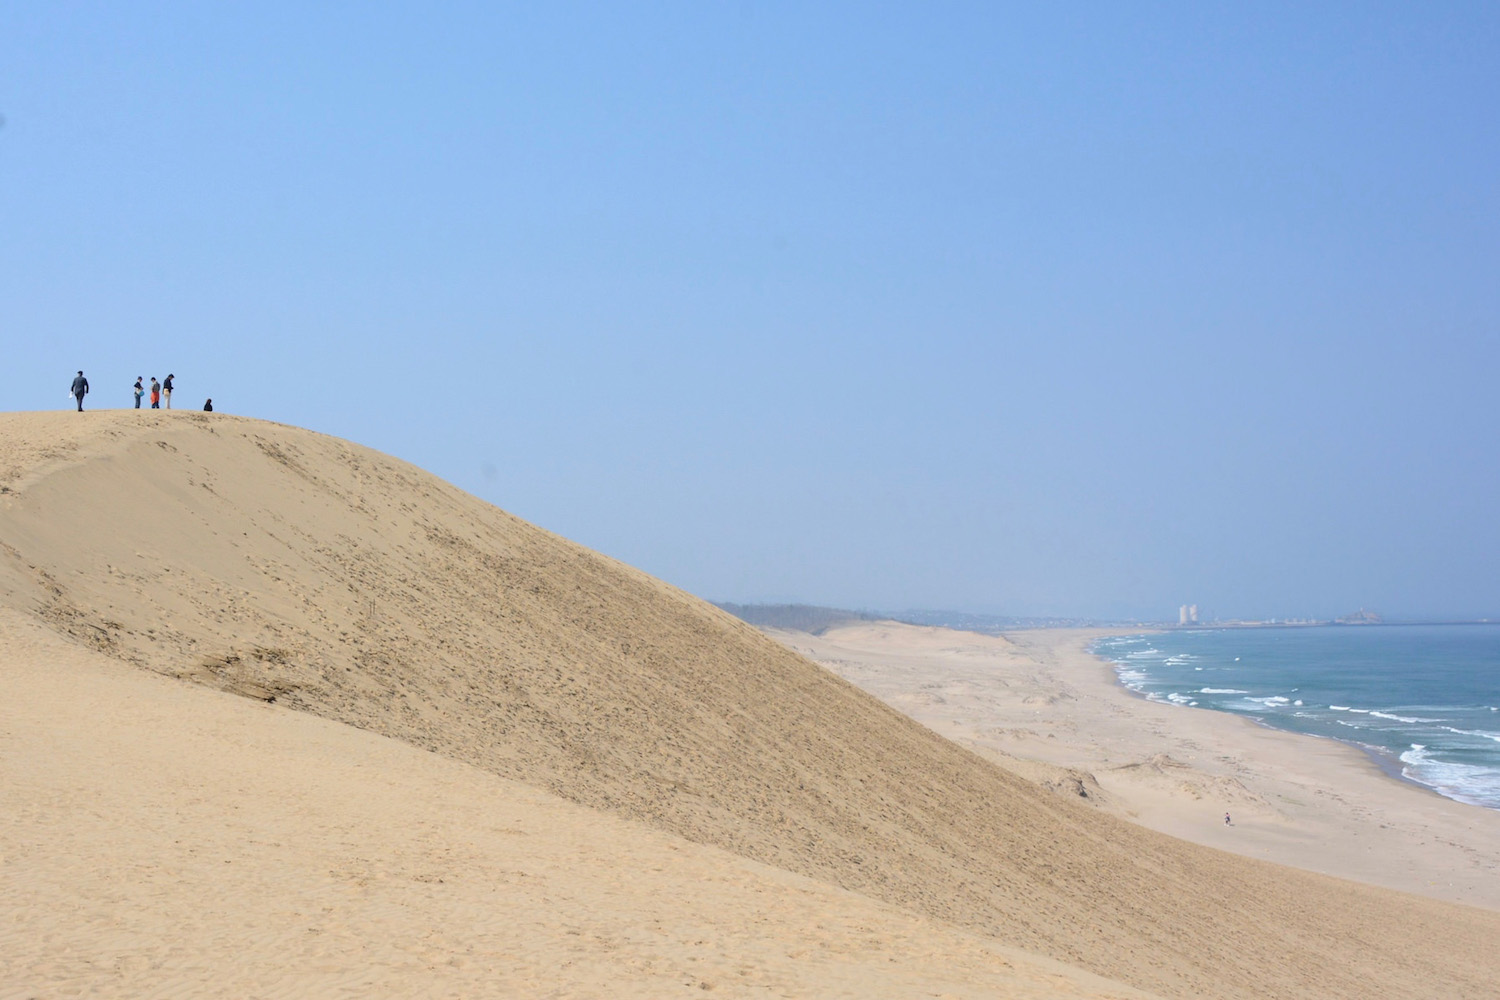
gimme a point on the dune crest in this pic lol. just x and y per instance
(287, 566)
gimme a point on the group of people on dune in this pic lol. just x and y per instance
(161, 392)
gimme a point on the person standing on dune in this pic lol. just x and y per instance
(139, 391)
(80, 389)
(166, 389)
(155, 393)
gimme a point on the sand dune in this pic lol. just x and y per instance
(313, 576)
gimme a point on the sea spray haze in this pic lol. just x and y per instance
(1424, 697)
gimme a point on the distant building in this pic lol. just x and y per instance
(1193, 613)
(1182, 615)
(1187, 614)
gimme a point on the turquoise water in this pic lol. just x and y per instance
(1425, 697)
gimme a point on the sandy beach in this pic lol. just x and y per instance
(288, 717)
(1039, 704)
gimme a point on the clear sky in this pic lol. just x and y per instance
(1073, 309)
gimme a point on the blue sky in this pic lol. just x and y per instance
(1053, 309)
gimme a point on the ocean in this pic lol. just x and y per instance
(1423, 698)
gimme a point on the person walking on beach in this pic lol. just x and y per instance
(155, 393)
(1226, 820)
(139, 391)
(80, 389)
(166, 390)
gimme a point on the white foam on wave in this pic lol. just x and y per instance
(1482, 734)
(1474, 784)
(1408, 719)
(1271, 702)
(1171, 698)
(1411, 720)
(1221, 691)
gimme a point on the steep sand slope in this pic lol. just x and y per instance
(159, 839)
(281, 564)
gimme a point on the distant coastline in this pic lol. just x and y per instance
(814, 618)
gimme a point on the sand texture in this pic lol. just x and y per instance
(323, 583)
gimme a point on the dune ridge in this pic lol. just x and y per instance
(318, 575)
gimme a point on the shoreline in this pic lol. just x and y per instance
(1041, 704)
(1385, 760)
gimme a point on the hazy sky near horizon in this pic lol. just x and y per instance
(1046, 309)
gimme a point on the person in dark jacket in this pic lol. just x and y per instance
(80, 389)
(166, 390)
(139, 391)
(208, 406)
